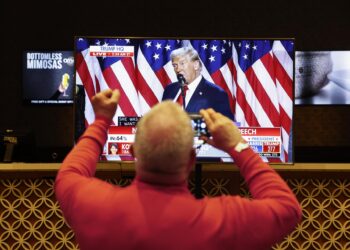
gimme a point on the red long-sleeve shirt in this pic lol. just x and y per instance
(149, 216)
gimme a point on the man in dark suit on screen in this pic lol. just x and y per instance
(197, 92)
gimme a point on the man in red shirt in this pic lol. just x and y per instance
(157, 211)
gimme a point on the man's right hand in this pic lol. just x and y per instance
(105, 103)
(225, 133)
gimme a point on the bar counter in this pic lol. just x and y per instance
(30, 217)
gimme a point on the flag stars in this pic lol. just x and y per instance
(148, 44)
(205, 46)
(212, 58)
(167, 47)
(247, 46)
(158, 46)
(127, 40)
(214, 48)
(255, 47)
(223, 50)
(156, 56)
(245, 57)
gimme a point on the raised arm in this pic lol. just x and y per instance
(80, 164)
(274, 210)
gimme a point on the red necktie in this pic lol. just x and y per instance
(179, 99)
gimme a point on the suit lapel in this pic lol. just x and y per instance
(198, 94)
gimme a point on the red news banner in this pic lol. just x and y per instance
(123, 137)
(265, 141)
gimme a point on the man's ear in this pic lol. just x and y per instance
(192, 160)
(196, 65)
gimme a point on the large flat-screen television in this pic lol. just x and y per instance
(322, 77)
(48, 77)
(256, 76)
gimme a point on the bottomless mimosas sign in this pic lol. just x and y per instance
(48, 77)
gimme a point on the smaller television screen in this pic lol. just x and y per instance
(322, 78)
(48, 77)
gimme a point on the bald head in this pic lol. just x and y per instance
(164, 139)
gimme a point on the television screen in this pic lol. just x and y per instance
(250, 81)
(48, 77)
(322, 78)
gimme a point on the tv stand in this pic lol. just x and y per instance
(198, 181)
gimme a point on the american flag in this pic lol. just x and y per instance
(256, 74)
(263, 80)
(154, 70)
(216, 57)
(100, 73)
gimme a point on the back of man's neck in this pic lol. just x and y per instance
(158, 178)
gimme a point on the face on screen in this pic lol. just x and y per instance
(185, 66)
(113, 149)
(250, 81)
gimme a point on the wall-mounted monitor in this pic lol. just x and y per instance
(322, 78)
(252, 77)
(48, 77)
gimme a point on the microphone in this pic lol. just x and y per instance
(181, 79)
(182, 82)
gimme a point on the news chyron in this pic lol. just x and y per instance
(111, 51)
(48, 77)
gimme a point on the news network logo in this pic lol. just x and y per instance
(69, 61)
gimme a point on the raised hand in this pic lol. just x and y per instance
(105, 103)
